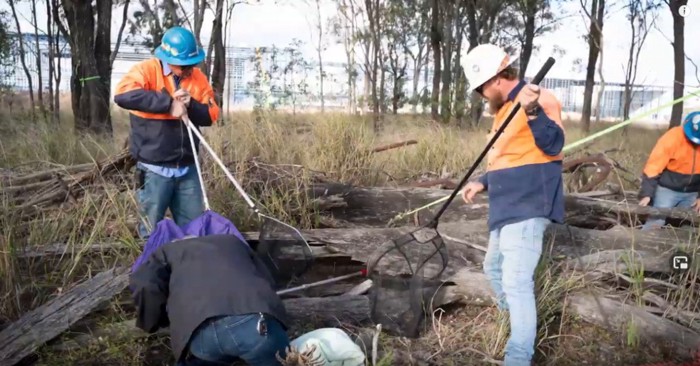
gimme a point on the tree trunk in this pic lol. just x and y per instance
(200, 6)
(218, 75)
(319, 51)
(597, 6)
(460, 94)
(601, 91)
(347, 9)
(39, 68)
(627, 94)
(52, 63)
(373, 15)
(529, 37)
(435, 40)
(382, 82)
(22, 55)
(476, 107)
(90, 90)
(678, 60)
(417, 66)
(447, 43)
(55, 4)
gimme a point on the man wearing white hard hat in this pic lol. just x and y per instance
(524, 184)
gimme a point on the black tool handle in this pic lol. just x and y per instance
(537, 79)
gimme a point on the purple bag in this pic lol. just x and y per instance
(166, 231)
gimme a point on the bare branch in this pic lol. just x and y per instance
(125, 17)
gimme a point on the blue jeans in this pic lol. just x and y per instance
(667, 198)
(221, 341)
(510, 262)
(183, 195)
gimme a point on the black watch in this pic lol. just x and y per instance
(534, 111)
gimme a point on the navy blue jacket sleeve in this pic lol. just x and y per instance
(199, 113)
(484, 179)
(144, 101)
(149, 284)
(549, 137)
(133, 94)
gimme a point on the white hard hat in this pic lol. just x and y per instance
(483, 62)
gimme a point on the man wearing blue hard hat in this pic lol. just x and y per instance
(158, 92)
(670, 178)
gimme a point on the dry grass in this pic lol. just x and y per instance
(331, 143)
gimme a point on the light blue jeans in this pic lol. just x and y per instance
(510, 262)
(667, 198)
(183, 195)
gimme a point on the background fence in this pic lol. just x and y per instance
(291, 79)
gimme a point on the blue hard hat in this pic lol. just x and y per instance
(179, 47)
(691, 127)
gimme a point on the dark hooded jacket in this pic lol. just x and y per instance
(185, 282)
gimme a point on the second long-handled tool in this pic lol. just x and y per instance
(411, 246)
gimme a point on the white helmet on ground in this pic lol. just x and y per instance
(484, 62)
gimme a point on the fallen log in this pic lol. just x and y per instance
(626, 210)
(467, 240)
(303, 312)
(472, 288)
(618, 316)
(44, 323)
(378, 206)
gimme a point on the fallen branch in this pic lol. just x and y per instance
(394, 146)
(58, 185)
(688, 318)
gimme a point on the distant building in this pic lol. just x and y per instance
(293, 81)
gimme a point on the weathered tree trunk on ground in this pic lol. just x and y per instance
(466, 243)
(586, 250)
(48, 321)
(323, 311)
(377, 206)
(614, 314)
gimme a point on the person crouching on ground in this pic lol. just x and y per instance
(158, 92)
(218, 299)
(525, 188)
(670, 177)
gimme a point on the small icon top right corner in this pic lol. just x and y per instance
(684, 10)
